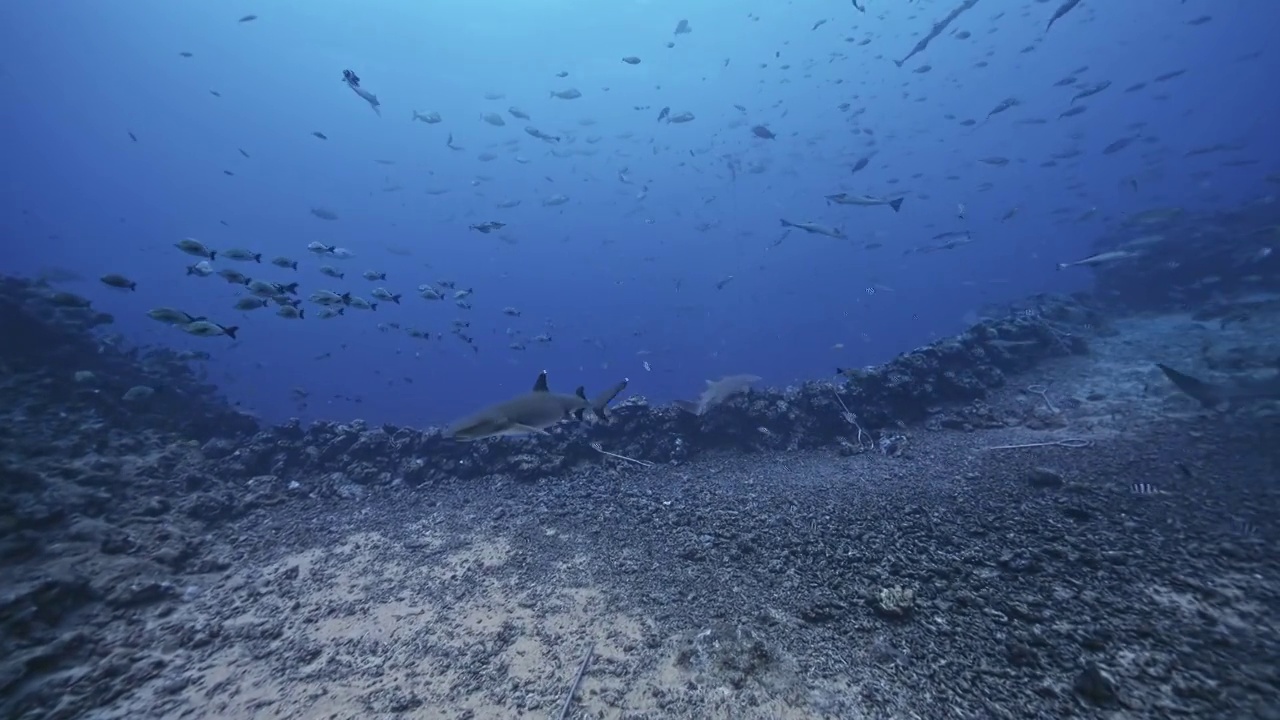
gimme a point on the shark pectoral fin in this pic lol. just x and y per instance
(1203, 392)
(521, 427)
(540, 385)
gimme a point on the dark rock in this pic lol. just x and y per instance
(1096, 687)
(1043, 477)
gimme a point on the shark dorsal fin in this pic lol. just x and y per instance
(581, 392)
(540, 385)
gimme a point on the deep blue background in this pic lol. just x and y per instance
(602, 269)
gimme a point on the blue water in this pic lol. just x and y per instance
(600, 272)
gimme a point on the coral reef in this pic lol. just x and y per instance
(133, 527)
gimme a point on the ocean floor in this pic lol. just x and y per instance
(1134, 575)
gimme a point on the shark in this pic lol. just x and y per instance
(531, 413)
(1232, 391)
(718, 391)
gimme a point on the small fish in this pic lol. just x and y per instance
(683, 28)
(285, 262)
(385, 294)
(557, 199)
(118, 281)
(1062, 10)
(320, 248)
(191, 246)
(864, 200)
(430, 118)
(330, 313)
(1072, 111)
(248, 18)
(235, 277)
(518, 113)
(262, 288)
(1004, 105)
(360, 303)
(291, 312)
(535, 132)
(1100, 259)
(200, 269)
(764, 133)
(251, 303)
(169, 316)
(1117, 146)
(493, 119)
(1091, 90)
(570, 94)
(373, 275)
(631, 60)
(1165, 77)
(488, 227)
(204, 328)
(331, 271)
(242, 255)
(320, 135)
(328, 297)
(138, 393)
(814, 228)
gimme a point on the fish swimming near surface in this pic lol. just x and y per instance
(530, 413)
(1224, 394)
(717, 392)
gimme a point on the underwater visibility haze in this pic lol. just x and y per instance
(133, 125)
(498, 359)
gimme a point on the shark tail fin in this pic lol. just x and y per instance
(1203, 392)
(896, 204)
(601, 402)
